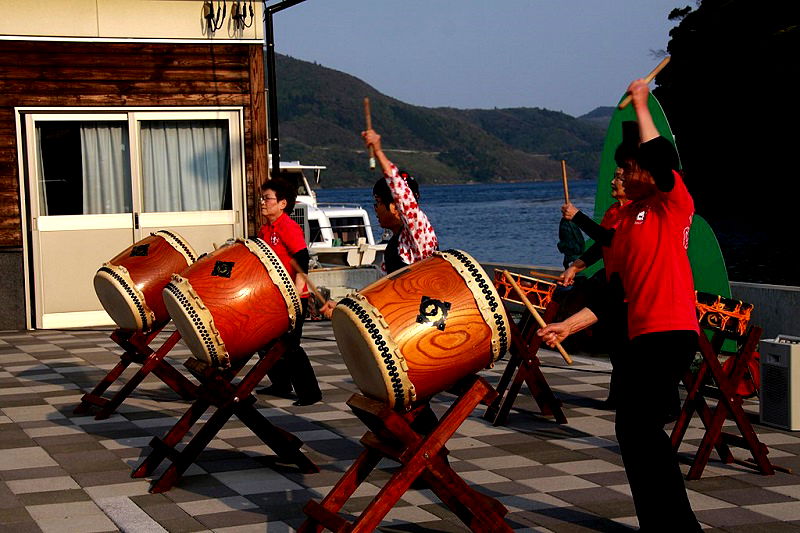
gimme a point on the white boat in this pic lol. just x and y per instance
(337, 234)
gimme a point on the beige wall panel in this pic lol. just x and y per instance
(72, 259)
(166, 19)
(73, 18)
(201, 238)
(144, 19)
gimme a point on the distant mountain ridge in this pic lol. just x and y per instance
(321, 117)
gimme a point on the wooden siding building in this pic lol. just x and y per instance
(109, 73)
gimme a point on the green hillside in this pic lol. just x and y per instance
(321, 117)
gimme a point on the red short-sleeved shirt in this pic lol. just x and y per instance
(649, 252)
(285, 237)
(611, 221)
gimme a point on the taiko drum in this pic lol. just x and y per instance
(129, 286)
(232, 302)
(419, 330)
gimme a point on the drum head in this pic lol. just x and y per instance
(377, 367)
(194, 322)
(123, 302)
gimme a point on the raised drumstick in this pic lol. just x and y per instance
(650, 77)
(535, 313)
(368, 118)
(564, 179)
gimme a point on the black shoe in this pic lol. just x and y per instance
(307, 401)
(272, 390)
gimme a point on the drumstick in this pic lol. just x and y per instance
(650, 77)
(535, 313)
(368, 118)
(564, 179)
(543, 275)
(308, 281)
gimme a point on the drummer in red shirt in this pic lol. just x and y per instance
(650, 269)
(287, 240)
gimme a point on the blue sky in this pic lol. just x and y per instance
(564, 55)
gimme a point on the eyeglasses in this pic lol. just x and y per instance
(265, 199)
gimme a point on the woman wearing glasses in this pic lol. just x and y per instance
(287, 240)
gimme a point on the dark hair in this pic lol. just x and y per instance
(381, 189)
(284, 190)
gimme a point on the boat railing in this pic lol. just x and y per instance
(340, 204)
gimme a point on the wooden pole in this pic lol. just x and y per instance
(543, 275)
(368, 118)
(535, 313)
(650, 77)
(564, 179)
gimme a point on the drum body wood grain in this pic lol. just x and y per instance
(419, 330)
(129, 286)
(232, 302)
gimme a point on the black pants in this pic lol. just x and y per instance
(648, 374)
(293, 369)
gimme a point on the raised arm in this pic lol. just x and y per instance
(371, 138)
(657, 154)
(639, 93)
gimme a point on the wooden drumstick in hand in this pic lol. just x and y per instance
(368, 118)
(535, 313)
(650, 77)
(564, 179)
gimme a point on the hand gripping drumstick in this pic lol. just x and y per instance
(368, 118)
(650, 77)
(535, 314)
(564, 179)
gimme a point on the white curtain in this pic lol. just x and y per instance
(106, 172)
(185, 165)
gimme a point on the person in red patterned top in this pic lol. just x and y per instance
(650, 269)
(397, 208)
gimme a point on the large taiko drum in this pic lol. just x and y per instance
(232, 302)
(419, 330)
(129, 286)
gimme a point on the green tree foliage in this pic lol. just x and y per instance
(321, 117)
(730, 98)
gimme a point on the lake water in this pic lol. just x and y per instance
(503, 222)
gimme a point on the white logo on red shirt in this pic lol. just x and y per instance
(641, 216)
(686, 237)
(273, 240)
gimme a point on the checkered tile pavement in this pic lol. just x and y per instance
(63, 472)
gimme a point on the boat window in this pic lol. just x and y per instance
(315, 233)
(83, 167)
(348, 229)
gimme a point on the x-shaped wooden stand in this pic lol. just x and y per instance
(524, 367)
(421, 455)
(729, 405)
(218, 390)
(137, 350)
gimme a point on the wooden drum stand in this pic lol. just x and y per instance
(218, 390)
(137, 350)
(421, 455)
